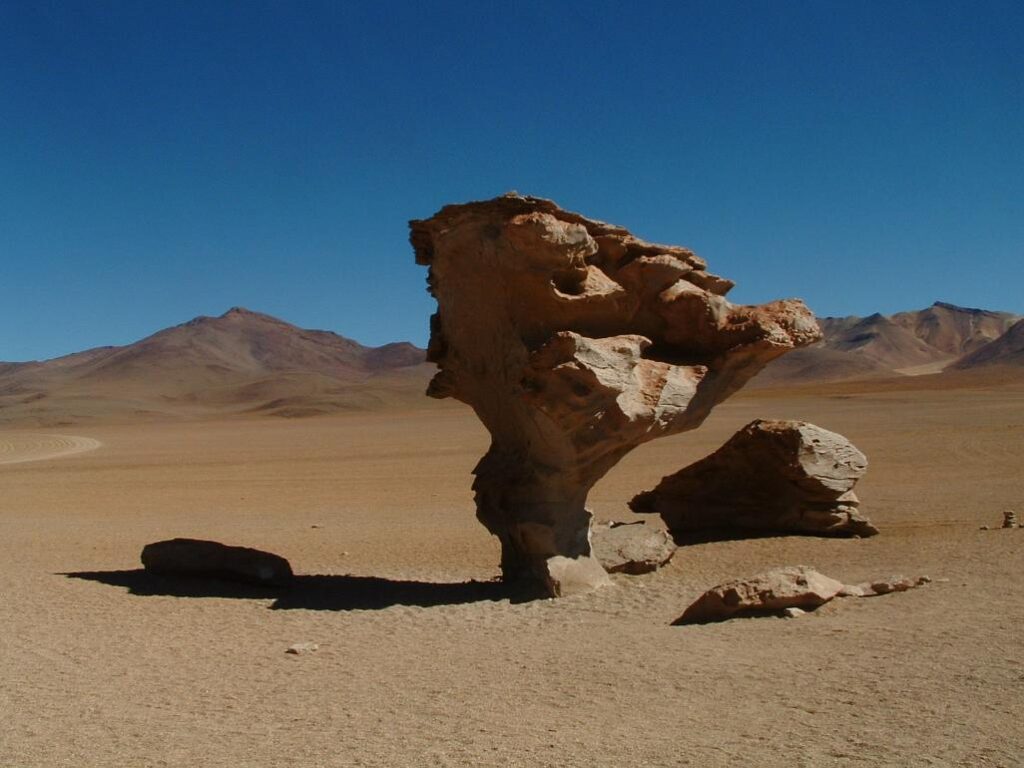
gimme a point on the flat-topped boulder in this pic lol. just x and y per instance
(771, 477)
(574, 342)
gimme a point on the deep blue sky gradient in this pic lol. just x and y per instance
(164, 160)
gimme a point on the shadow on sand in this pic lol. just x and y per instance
(316, 593)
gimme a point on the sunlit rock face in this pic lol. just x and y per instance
(574, 342)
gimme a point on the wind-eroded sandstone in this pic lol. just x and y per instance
(771, 477)
(574, 342)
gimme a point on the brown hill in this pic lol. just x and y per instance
(1008, 349)
(240, 361)
(907, 343)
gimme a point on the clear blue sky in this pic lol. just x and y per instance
(161, 160)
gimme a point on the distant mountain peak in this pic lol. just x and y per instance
(958, 308)
(915, 342)
(241, 313)
(236, 360)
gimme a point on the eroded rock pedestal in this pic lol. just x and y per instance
(772, 477)
(575, 342)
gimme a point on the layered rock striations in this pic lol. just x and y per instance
(574, 342)
(770, 477)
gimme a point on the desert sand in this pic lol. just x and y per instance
(18, 447)
(106, 666)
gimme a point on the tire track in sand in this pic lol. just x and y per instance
(20, 447)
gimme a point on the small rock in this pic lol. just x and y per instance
(566, 576)
(985, 528)
(195, 557)
(770, 592)
(793, 613)
(1010, 519)
(632, 548)
(300, 648)
(883, 586)
(852, 590)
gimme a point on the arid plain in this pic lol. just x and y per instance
(106, 666)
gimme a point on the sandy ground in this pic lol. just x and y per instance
(417, 668)
(17, 446)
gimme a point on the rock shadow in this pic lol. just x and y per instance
(314, 592)
(713, 535)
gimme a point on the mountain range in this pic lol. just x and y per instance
(245, 362)
(928, 341)
(241, 361)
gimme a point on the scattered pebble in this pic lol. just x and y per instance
(794, 613)
(299, 648)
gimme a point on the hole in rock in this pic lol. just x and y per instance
(571, 282)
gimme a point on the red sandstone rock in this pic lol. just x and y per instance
(771, 477)
(574, 342)
(883, 586)
(770, 592)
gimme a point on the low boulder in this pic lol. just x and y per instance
(632, 548)
(764, 594)
(771, 477)
(195, 557)
(298, 649)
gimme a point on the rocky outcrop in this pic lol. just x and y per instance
(632, 548)
(771, 477)
(767, 593)
(574, 342)
(195, 557)
(789, 591)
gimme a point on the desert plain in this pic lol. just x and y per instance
(424, 661)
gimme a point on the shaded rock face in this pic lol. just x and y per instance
(195, 557)
(632, 548)
(575, 342)
(771, 477)
(771, 592)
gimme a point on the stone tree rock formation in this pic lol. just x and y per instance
(771, 477)
(574, 342)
